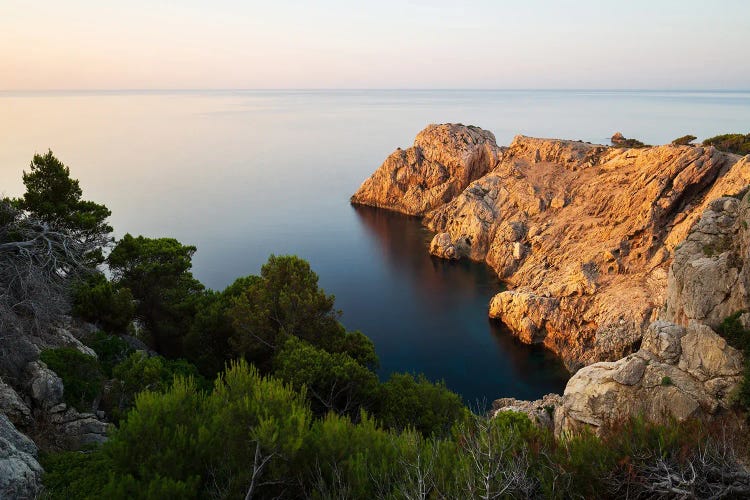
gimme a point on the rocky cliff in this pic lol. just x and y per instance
(683, 368)
(442, 162)
(583, 234)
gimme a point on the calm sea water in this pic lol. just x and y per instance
(243, 174)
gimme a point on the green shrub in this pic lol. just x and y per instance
(735, 334)
(630, 143)
(333, 381)
(100, 302)
(666, 381)
(731, 143)
(738, 337)
(408, 402)
(81, 375)
(685, 140)
(110, 349)
(75, 474)
(140, 372)
(186, 440)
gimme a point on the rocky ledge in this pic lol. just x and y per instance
(583, 234)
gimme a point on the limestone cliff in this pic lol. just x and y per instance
(683, 368)
(583, 234)
(442, 162)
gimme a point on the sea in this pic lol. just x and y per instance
(243, 174)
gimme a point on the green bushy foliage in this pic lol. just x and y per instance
(207, 342)
(738, 337)
(99, 301)
(55, 198)
(75, 474)
(685, 140)
(408, 402)
(157, 272)
(140, 372)
(287, 302)
(333, 381)
(630, 143)
(207, 443)
(731, 143)
(81, 375)
(111, 350)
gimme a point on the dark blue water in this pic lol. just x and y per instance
(243, 174)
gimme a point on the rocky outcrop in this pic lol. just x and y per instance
(20, 472)
(709, 279)
(679, 373)
(582, 234)
(683, 369)
(541, 411)
(31, 394)
(442, 162)
(71, 430)
(13, 406)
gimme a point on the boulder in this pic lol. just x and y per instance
(20, 472)
(708, 278)
(13, 406)
(677, 374)
(74, 430)
(43, 385)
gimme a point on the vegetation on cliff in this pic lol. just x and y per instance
(731, 143)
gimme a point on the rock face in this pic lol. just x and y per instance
(683, 368)
(678, 373)
(20, 472)
(582, 234)
(442, 162)
(709, 279)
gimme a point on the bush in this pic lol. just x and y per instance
(140, 372)
(731, 143)
(210, 445)
(738, 337)
(685, 140)
(98, 301)
(75, 474)
(408, 402)
(333, 381)
(81, 375)
(111, 350)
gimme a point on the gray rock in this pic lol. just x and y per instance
(75, 430)
(20, 472)
(13, 406)
(43, 385)
(709, 278)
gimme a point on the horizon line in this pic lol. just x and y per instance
(381, 89)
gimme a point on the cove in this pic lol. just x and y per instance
(428, 315)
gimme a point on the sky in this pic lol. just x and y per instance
(400, 44)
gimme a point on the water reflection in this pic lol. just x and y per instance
(444, 330)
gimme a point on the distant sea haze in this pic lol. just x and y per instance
(243, 174)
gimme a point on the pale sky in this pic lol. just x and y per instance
(241, 44)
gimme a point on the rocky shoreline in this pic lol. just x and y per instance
(620, 260)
